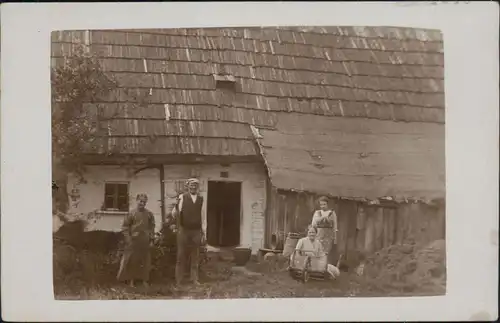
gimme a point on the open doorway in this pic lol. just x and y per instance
(223, 213)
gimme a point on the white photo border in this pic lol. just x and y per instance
(471, 66)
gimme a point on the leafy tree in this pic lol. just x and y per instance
(76, 83)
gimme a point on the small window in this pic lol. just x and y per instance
(225, 82)
(116, 197)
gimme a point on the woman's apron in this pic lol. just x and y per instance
(325, 236)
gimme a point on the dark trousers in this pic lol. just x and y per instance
(188, 247)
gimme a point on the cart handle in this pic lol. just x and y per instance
(300, 250)
(307, 262)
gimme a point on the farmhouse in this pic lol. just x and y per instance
(268, 119)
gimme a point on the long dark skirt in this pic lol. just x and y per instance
(136, 262)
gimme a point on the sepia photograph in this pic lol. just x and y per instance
(248, 162)
(240, 161)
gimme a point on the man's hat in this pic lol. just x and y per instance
(193, 180)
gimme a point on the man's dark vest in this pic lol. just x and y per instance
(190, 216)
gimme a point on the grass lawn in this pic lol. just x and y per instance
(395, 271)
(220, 280)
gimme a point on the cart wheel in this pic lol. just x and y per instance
(305, 275)
(294, 274)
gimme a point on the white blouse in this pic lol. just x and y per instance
(310, 248)
(320, 215)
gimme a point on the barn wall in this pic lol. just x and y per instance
(252, 176)
(361, 227)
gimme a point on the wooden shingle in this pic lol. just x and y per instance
(166, 80)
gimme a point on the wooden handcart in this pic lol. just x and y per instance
(303, 267)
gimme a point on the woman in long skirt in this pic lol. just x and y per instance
(138, 231)
(325, 221)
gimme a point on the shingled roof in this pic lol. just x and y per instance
(355, 158)
(285, 73)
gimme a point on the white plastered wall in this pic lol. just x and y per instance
(252, 177)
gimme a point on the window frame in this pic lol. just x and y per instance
(116, 197)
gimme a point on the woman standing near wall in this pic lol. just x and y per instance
(325, 221)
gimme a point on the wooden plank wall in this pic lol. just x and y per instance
(361, 227)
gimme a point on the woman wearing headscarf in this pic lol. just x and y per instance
(138, 230)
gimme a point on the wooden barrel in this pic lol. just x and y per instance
(290, 243)
(277, 241)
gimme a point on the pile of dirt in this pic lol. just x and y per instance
(407, 269)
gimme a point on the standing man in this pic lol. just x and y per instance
(138, 230)
(190, 235)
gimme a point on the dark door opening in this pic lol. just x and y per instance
(223, 213)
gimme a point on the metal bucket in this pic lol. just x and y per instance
(241, 256)
(290, 243)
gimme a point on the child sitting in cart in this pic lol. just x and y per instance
(310, 246)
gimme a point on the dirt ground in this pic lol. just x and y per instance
(407, 269)
(221, 280)
(399, 270)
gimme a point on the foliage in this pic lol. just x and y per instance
(75, 123)
(77, 119)
(92, 258)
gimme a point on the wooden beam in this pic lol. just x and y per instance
(162, 193)
(166, 159)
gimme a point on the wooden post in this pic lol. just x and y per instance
(269, 213)
(162, 194)
(162, 188)
(285, 216)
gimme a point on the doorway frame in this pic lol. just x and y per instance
(227, 180)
